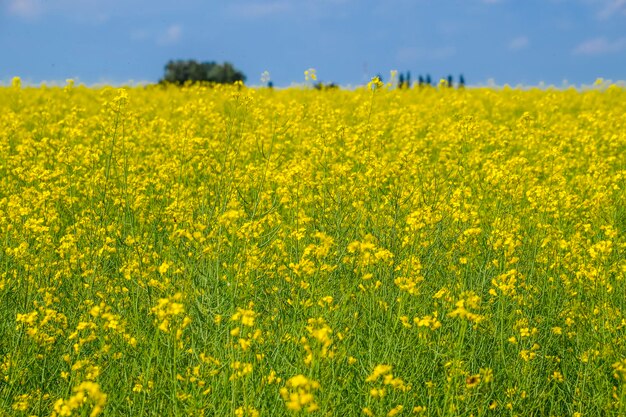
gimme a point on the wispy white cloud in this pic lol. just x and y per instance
(600, 46)
(603, 9)
(520, 42)
(26, 9)
(139, 35)
(259, 9)
(610, 8)
(82, 11)
(171, 36)
(411, 54)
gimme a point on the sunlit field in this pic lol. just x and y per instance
(226, 251)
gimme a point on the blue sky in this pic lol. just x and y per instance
(346, 41)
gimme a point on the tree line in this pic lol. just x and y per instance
(404, 80)
(181, 71)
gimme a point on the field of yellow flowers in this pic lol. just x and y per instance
(226, 251)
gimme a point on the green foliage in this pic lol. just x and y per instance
(182, 71)
(227, 251)
(325, 86)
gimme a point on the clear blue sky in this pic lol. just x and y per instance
(347, 41)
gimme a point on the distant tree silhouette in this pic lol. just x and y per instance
(182, 71)
(427, 81)
(404, 80)
(323, 86)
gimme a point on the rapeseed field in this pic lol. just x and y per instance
(227, 251)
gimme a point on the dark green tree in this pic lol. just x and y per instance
(323, 86)
(182, 71)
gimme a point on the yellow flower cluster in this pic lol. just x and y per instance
(463, 307)
(86, 392)
(383, 372)
(167, 311)
(298, 394)
(429, 251)
(43, 325)
(321, 333)
(245, 336)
